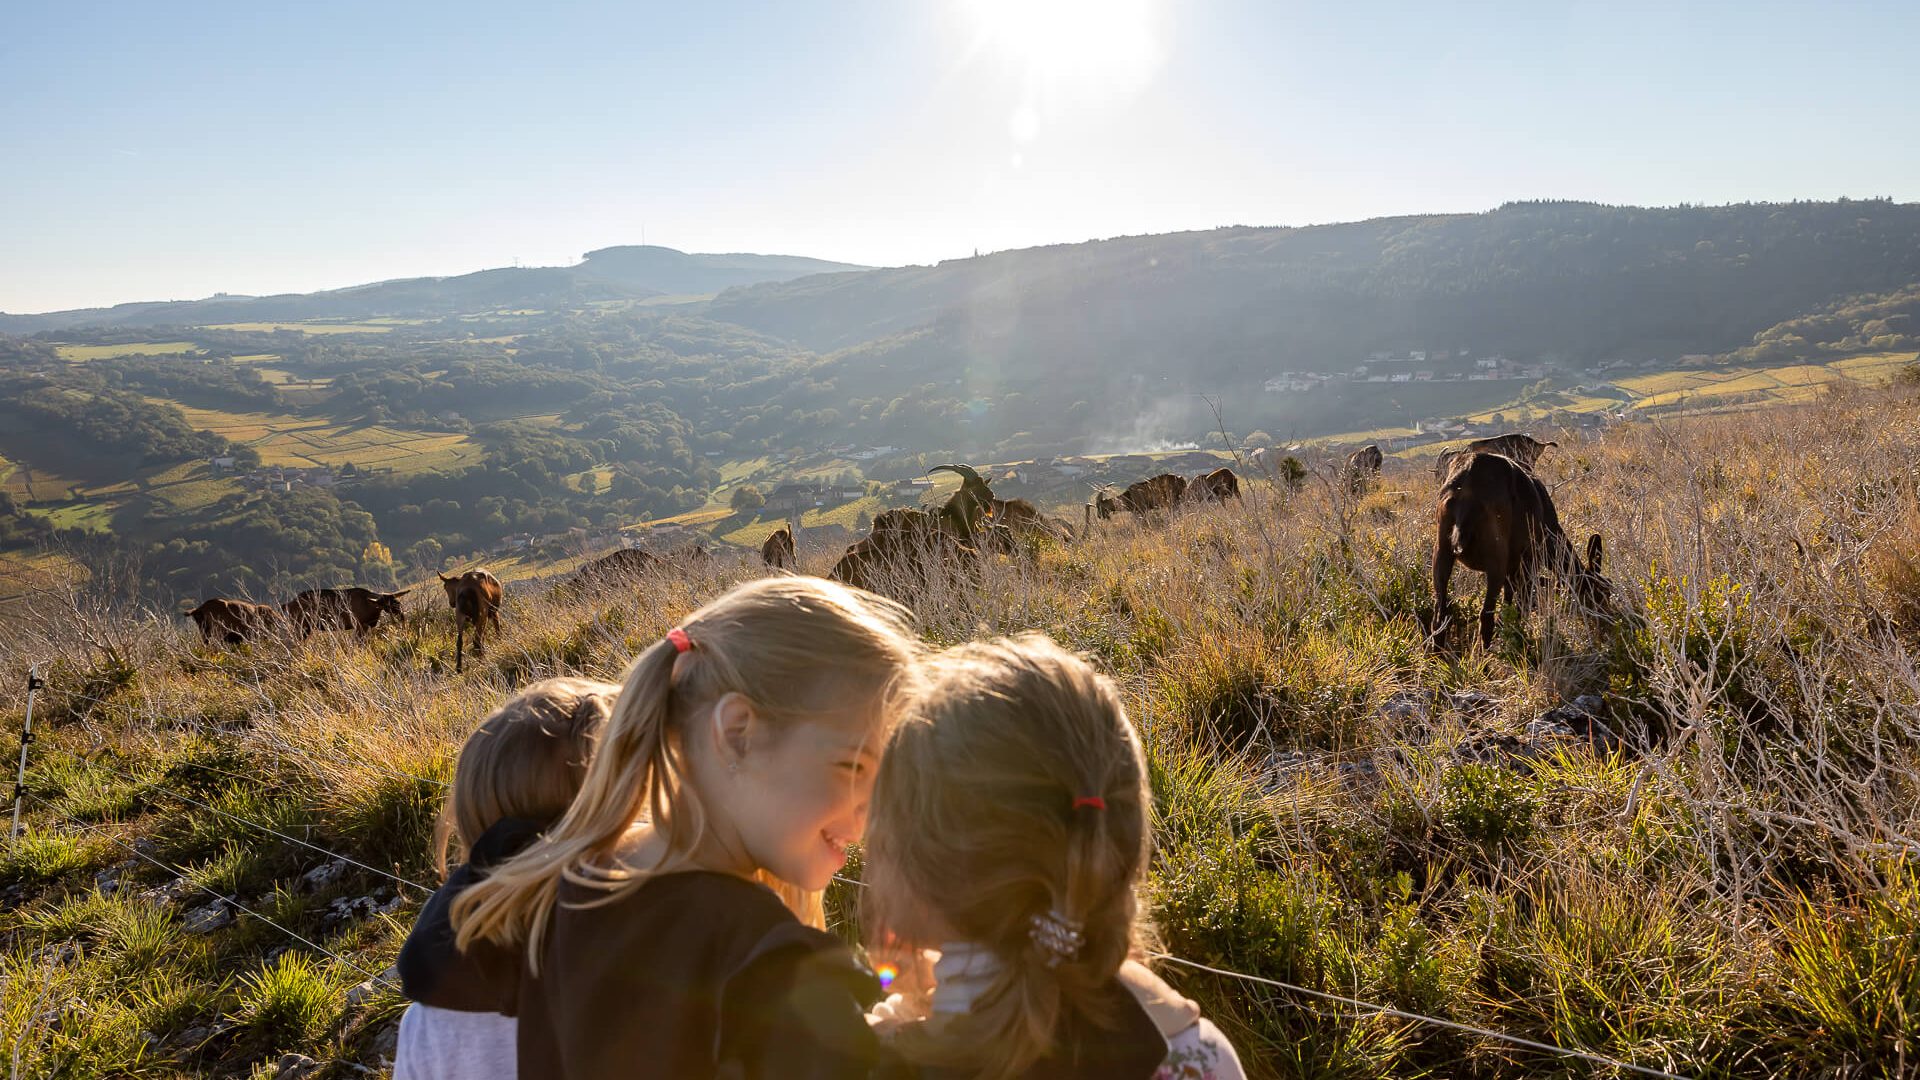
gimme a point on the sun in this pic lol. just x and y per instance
(1071, 49)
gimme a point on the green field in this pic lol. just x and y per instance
(83, 353)
(25, 572)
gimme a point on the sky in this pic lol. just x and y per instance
(172, 151)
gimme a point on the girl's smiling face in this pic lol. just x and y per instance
(798, 795)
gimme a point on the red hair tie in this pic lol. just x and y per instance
(681, 642)
(1094, 801)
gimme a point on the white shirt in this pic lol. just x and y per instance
(442, 1044)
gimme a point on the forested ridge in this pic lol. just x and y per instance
(584, 414)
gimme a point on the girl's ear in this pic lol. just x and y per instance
(733, 728)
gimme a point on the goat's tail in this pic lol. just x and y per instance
(1456, 540)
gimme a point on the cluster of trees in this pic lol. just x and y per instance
(212, 382)
(472, 386)
(268, 546)
(1887, 322)
(81, 413)
(19, 529)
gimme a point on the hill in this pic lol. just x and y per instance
(1684, 839)
(664, 270)
(1125, 338)
(609, 274)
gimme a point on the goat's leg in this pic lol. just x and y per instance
(1489, 607)
(459, 643)
(1442, 576)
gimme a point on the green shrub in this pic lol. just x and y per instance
(290, 1000)
(1487, 805)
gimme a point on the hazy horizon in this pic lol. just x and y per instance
(174, 155)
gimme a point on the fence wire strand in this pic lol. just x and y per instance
(181, 875)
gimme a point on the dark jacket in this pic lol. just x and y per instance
(486, 978)
(690, 975)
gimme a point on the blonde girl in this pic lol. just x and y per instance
(1009, 832)
(742, 747)
(515, 776)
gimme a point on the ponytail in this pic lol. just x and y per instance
(794, 646)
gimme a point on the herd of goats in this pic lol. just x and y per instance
(1493, 516)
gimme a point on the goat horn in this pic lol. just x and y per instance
(965, 472)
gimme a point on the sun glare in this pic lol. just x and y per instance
(1083, 50)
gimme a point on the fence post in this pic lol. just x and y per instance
(26, 739)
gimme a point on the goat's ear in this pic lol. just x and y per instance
(1594, 553)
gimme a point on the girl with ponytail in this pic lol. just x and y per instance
(1009, 831)
(670, 919)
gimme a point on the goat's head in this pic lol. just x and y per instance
(1590, 586)
(385, 604)
(968, 507)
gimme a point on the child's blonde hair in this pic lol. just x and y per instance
(1012, 793)
(796, 647)
(525, 760)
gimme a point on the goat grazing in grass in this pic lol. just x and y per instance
(1496, 517)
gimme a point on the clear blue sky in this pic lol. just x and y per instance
(169, 151)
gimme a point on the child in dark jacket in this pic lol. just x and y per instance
(516, 774)
(740, 755)
(1009, 833)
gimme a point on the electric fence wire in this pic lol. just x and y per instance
(181, 875)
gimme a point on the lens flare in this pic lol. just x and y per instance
(887, 973)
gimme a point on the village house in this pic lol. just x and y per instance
(790, 497)
(912, 487)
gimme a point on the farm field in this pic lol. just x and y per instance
(1788, 384)
(286, 439)
(83, 353)
(1703, 390)
(24, 573)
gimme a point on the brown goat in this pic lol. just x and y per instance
(1141, 496)
(778, 550)
(1496, 517)
(909, 542)
(353, 608)
(235, 621)
(1023, 519)
(1217, 486)
(475, 598)
(1363, 465)
(916, 540)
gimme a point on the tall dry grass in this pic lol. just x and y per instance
(1729, 892)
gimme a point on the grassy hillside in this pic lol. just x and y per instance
(1706, 865)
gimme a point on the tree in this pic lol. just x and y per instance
(746, 498)
(1292, 473)
(425, 554)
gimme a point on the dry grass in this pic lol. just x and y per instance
(1731, 893)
